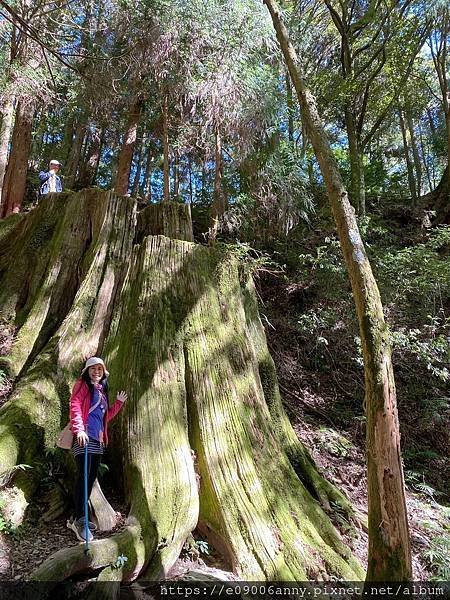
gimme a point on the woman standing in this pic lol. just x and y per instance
(89, 417)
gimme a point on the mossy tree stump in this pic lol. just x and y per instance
(203, 440)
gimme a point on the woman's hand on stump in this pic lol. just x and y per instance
(122, 396)
(82, 438)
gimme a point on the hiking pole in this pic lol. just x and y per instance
(86, 529)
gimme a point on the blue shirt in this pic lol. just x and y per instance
(96, 418)
(44, 176)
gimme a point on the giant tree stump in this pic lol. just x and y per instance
(203, 440)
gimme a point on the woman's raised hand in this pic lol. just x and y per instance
(122, 396)
(82, 438)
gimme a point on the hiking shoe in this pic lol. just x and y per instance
(79, 528)
(91, 526)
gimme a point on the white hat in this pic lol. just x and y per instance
(54, 162)
(94, 360)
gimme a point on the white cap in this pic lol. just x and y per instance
(94, 360)
(54, 162)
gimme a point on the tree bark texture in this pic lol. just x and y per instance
(409, 162)
(219, 202)
(128, 145)
(357, 184)
(389, 545)
(415, 151)
(88, 169)
(203, 440)
(166, 167)
(16, 172)
(5, 134)
(74, 155)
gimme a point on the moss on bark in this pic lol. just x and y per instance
(183, 337)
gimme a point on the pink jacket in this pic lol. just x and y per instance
(80, 402)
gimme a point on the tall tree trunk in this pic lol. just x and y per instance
(16, 171)
(290, 108)
(191, 193)
(146, 183)
(166, 167)
(5, 134)
(204, 181)
(89, 168)
(137, 176)
(139, 159)
(440, 54)
(129, 142)
(74, 156)
(447, 124)
(176, 176)
(69, 131)
(357, 184)
(389, 546)
(409, 165)
(425, 157)
(219, 202)
(415, 151)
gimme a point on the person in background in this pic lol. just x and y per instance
(50, 180)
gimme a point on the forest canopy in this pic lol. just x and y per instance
(243, 207)
(148, 96)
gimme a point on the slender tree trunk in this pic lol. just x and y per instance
(219, 203)
(115, 151)
(447, 124)
(357, 186)
(41, 135)
(425, 157)
(190, 182)
(415, 152)
(88, 171)
(135, 187)
(389, 546)
(203, 181)
(176, 175)
(290, 108)
(146, 180)
(127, 150)
(431, 122)
(409, 165)
(5, 134)
(136, 181)
(440, 60)
(166, 171)
(74, 156)
(69, 131)
(16, 171)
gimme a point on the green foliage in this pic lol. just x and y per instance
(327, 268)
(416, 482)
(250, 260)
(202, 546)
(416, 272)
(437, 557)
(51, 467)
(6, 525)
(120, 561)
